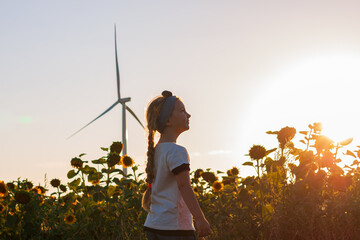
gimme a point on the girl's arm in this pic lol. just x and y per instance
(187, 193)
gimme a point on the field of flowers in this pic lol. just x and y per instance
(299, 192)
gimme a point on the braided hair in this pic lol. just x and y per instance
(152, 114)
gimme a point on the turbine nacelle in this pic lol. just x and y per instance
(124, 100)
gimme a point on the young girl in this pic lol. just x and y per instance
(170, 199)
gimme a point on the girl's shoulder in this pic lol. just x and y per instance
(169, 146)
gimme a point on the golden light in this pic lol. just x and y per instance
(314, 89)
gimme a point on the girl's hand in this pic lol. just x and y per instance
(203, 227)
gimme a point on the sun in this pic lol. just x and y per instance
(326, 91)
(313, 89)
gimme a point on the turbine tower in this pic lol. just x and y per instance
(121, 101)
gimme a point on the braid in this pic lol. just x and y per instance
(152, 113)
(146, 200)
(150, 158)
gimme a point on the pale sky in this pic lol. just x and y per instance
(241, 68)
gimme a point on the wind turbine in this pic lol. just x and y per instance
(121, 101)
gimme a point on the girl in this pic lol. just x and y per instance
(170, 199)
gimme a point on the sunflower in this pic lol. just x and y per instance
(3, 189)
(10, 185)
(317, 127)
(22, 197)
(42, 189)
(36, 190)
(29, 185)
(198, 173)
(209, 177)
(76, 163)
(70, 219)
(63, 188)
(113, 159)
(116, 147)
(96, 182)
(228, 172)
(306, 157)
(234, 171)
(217, 186)
(127, 161)
(228, 181)
(257, 152)
(55, 182)
(285, 135)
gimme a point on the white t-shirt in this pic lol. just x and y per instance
(168, 210)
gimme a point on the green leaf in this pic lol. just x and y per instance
(336, 169)
(346, 141)
(82, 154)
(111, 190)
(94, 177)
(105, 149)
(302, 141)
(88, 170)
(355, 162)
(117, 181)
(74, 183)
(71, 173)
(248, 164)
(303, 132)
(270, 151)
(99, 161)
(272, 132)
(350, 153)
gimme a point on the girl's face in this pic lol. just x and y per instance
(179, 119)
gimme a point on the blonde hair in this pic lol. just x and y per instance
(152, 114)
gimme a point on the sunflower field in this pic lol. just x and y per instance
(299, 192)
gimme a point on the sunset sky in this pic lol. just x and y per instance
(241, 68)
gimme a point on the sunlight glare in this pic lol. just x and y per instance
(316, 89)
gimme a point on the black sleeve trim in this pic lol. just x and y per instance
(181, 168)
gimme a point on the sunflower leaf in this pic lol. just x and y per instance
(74, 183)
(346, 141)
(71, 174)
(350, 153)
(99, 161)
(272, 132)
(117, 181)
(270, 151)
(248, 164)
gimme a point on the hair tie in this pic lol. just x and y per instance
(166, 110)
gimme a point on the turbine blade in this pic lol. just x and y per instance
(134, 115)
(117, 66)
(95, 118)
